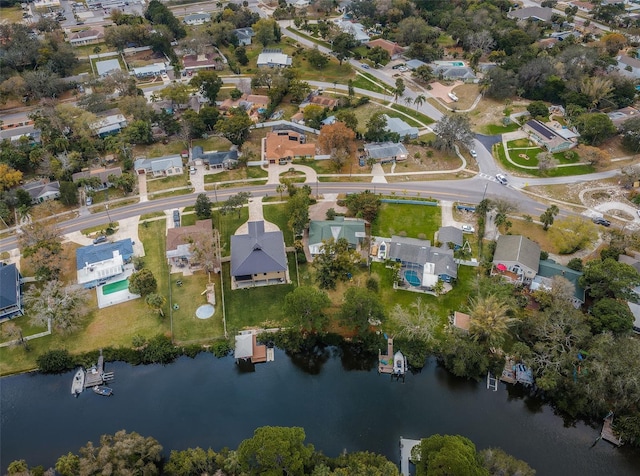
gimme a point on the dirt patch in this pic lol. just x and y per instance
(491, 111)
(319, 210)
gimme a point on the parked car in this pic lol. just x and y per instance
(501, 179)
(364, 65)
(176, 218)
(453, 97)
(99, 239)
(192, 170)
(601, 221)
(473, 153)
(467, 229)
(89, 201)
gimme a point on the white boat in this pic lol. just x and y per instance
(399, 364)
(77, 386)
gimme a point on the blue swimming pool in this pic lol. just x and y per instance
(412, 277)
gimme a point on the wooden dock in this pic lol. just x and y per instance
(406, 446)
(385, 361)
(607, 432)
(96, 375)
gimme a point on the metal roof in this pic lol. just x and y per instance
(96, 253)
(257, 251)
(10, 286)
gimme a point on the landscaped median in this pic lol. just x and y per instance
(523, 158)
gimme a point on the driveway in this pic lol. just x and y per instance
(275, 170)
(255, 214)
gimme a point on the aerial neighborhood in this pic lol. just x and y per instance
(458, 181)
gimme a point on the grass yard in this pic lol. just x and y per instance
(320, 166)
(159, 149)
(213, 143)
(172, 193)
(164, 183)
(227, 226)
(426, 120)
(414, 220)
(534, 232)
(277, 214)
(332, 72)
(370, 83)
(242, 173)
(364, 113)
(12, 14)
(578, 169)
(495, 129)
(315, 39)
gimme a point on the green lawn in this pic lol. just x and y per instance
(237, 174)
(316, 40)
(320, 166)
(426, 120)
(332, 72)
(495, 129)
(414, 220)
(12, 14)
(579, 169)
(156, 185)
(227, 225)
(370, 83)
(277, 214)
(172, 193)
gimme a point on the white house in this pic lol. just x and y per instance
(356, 29)
(244, 35)
(109, 125)
(273, 58)
(95, 264)
(106, 67)
(197, 18)
(163, 166)
(155, 69)
(397, 125)
(628, 66)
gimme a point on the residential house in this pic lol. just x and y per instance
(95, 264)
(398, 126)
(197, 18)
(227, 159)
(532, 13)
(179, 243)
(450, 234)
(319, 100)
(273, 58)
(286, 145)
(109, 125)
(358, 30)
(48, 5)
(632, 259)
(170, 165)
(327, 121)
(621, 115)
(548, 269)
(554, 140)
(244, 36)
(10, 292)
(628, 66)
(321, 231)
(453, 71)
(394, 49)
(423, 265)
(258, 258)
(247, 347)
(386, 151)
(516, 258)
(106, 67)
(415, 64)
(86, 37)
(298, 118)
(254, 104)
(207, 61)
(148, 71)
(97, 179)
(42, 190)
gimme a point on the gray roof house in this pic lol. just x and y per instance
(197, 18)
(450, 234)
(10, 292)
(548, 269)
(451, 72)
(397, 125)
(106, 67)
(244, 35)
(170, 165)
(321, 231)
(423, 265)
(42, 190)
(554, 140)
(100, 176)
(95, 264)
(273, 57)
(516, 258)
(258, 258)
(386, 151)
(628, 66)
(532, 13)
(414, 64)
(227, 159)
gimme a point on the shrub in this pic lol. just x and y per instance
(221, 348)
(55, 361)
(372, 284)
(192, 350)
(160, 350)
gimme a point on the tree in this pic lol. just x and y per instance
(305, 307)
(63, 306)
(610, 278)
(348, 118)
(413, 30)
(68, 465)
(453, 129)
(378, 55)
(264, 30)
(235, 202)
(192, 461)
(275, 450)
(498, 462)
(9, 177)
(500, 83)
(572, 234)
(313, 115)
(139, 132)
(490, 322)
(240, 54)
(336, 136)
(68, 193)
(298, 211)
(611, 315)
(156, 302)
(594, 128)
(209, 84)
(365, 205)
(298, 90)
(361, 309)
(41, 244)
(548, 216)
(203, 207)
(235, 127)
(55, 361)
(593, 155)
(142, 282)
(546, 161)
(335, 262)
(448, 455)
(125, 182)
(204, 250)
(423, 73)
(399, 89)
(418, 322)
(122, 453)
(342, 46)
(538, 109)
(630, 130)
(377, 128)
(316, 58)
(613, 42)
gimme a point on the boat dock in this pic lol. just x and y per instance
(96, 375)
(385, 361)
(406, 446)
(607, 433)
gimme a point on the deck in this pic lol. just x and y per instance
(385, 361)
(96, 374)
(607, 433)
(406, 446)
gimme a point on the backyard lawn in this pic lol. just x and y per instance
(413, 220)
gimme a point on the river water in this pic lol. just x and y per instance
(211, 402)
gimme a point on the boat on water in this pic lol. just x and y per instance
(77, 386)
(399, 364)
(103, 390)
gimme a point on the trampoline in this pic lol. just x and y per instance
(205, 311)
(115, 287)
(412, 277)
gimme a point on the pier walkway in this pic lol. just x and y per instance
(385, 361)
(406, 445)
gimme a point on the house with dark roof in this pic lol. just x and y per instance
(207, 61)
(321, 231)
(244, 35)
(548, 269)
(169, 166)
(423, 265)
(258, 258)
(400, 127)
(516, 258)
(227, 159)
(451, 71)
(95, 264)
(179, 240)
(554, 140)
(10, 292)
(97, 179)
(450, 234)
(385, 151)
(42, 190)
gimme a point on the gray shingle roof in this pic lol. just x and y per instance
(383, 150)
(450, 234)
(96, 253)
(10, 289)
(414, 251)
(519, 249)
(258, 251)
(213, 158)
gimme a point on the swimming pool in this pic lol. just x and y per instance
(115, 287)
(412, 277)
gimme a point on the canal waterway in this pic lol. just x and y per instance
(211, 402)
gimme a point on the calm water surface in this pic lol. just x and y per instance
(210, 402)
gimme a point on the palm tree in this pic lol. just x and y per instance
(408, 101)
(156, 302)
(419, 100)
(280, 189)
(489, 320)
